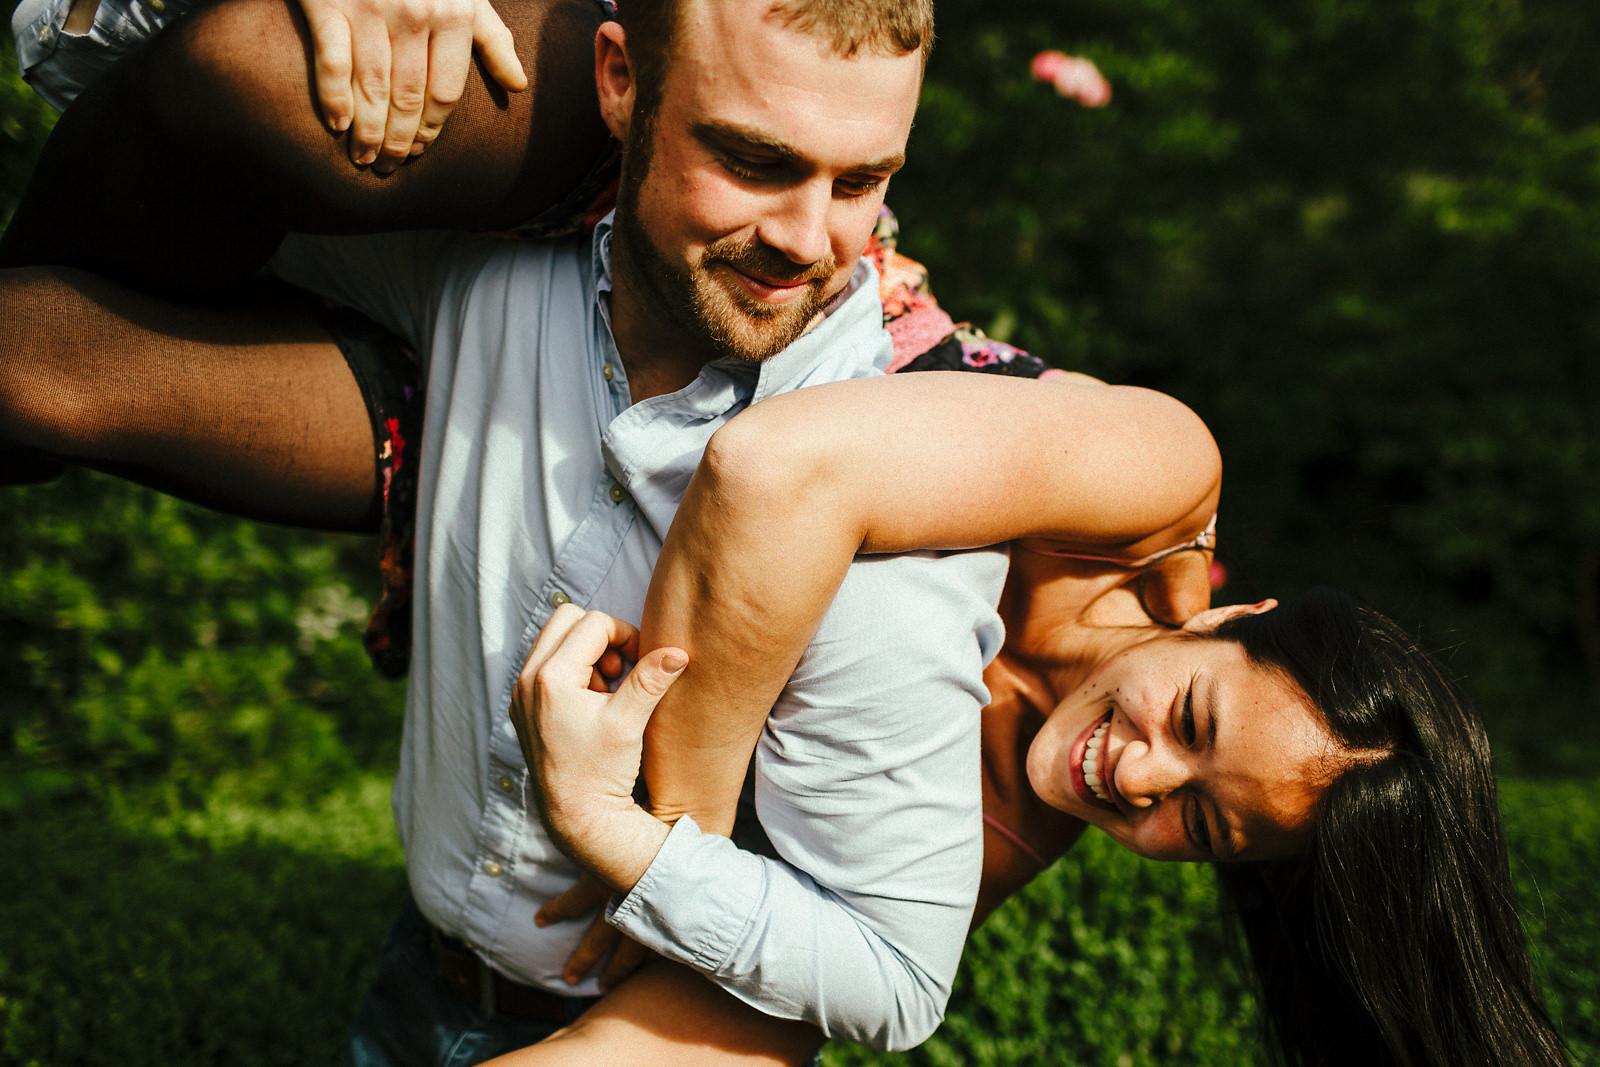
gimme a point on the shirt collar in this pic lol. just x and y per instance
(779, 373)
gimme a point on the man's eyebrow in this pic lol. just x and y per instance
(731, 135)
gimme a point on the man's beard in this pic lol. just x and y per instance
(727, 320)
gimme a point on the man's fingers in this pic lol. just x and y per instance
(598, 940)
(449, 59)
(370, 60)
(408, 90)
(330, 38)
(499, 51)
(646, 684)
(554, 631)
(572, 662)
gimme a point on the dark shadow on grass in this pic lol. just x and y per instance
(124, 948)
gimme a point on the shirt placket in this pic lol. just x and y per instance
(505, 833)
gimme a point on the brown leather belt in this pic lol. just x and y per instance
(492, 993)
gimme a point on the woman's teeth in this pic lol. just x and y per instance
(1091, 762)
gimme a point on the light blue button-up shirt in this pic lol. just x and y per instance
(539, 484)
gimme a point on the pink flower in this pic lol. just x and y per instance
(1074, 77)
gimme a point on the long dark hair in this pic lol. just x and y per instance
(1395, 938)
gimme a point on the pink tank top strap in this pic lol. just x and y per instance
(1011, 835)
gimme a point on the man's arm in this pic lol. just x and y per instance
(867, 783)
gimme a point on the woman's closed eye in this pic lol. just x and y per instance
(1186, 730)
(1199, 832)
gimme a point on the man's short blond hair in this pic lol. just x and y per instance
(892, 27)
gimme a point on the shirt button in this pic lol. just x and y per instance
(493, 869)
(559, 598)
(618, 494)
(608, 372)
(505, 784)
(158, 6)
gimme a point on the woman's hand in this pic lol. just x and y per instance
(601, 941)
(584, 744)
(391, 71)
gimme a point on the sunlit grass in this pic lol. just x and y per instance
(241, 934)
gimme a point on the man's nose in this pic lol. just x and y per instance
(1145, 774)
(797, 225)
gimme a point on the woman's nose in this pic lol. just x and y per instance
(1146, 774)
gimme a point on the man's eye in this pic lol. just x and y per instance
(1186, 721)
(855, 188)
(748, 169)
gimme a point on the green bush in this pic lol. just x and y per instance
(1361, 238)
(1363, 241)
(147, 643)
(241, 934)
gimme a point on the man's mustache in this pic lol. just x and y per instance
(762, 260)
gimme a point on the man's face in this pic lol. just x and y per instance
(762, 178)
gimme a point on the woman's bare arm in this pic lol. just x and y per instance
(791, 490)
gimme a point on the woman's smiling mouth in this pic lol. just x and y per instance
(1091, 779)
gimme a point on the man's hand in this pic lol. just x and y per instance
(391, 71)
(584, 744)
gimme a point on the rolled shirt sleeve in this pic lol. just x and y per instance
(868, 785)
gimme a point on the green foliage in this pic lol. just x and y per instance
(144, 642)
(1363, 241)
(25, 121)
(1360, 237)
(237, 934)
(1107, 960)
(230, 935)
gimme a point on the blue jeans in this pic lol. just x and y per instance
(410, 1018)
(59, 65)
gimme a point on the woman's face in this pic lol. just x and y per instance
(1180, 748)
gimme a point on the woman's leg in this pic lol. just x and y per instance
(178, 172)
(249, 408)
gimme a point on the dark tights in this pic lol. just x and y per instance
(175, 177)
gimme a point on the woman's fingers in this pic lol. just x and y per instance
(597, 941)
(582, 897)
(628, 957)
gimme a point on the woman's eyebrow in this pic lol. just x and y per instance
(1229, 845)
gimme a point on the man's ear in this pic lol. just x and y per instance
(1207, 621)
(613, 79)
